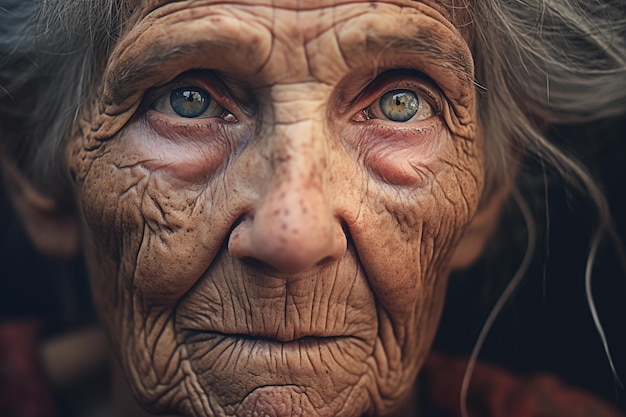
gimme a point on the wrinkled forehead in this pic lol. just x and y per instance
(431, 23)
(454, 11)
(441, 5)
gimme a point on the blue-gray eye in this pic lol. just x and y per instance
(189, 102)
(399, 105)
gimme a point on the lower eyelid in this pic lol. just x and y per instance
(180, 129)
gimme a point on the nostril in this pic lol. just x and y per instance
(280, 240)
(281, 270)
(258, 264)
(240, 220)
(326, 261)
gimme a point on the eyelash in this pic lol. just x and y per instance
(398, 81)
(161, 98)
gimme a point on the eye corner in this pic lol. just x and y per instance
(435, 98)
(361, 116)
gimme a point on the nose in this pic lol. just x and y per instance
(292, 228)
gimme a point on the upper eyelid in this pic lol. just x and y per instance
(387, 81)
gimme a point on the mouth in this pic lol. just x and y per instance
(282, 341)
(236, 364)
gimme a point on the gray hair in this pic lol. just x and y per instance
(51, 54)
(538, 62)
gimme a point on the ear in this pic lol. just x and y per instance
(482, 226)
(51, 228)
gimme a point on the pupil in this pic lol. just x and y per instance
(399, 105)
(189, 102)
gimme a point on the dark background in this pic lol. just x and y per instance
(545, 327)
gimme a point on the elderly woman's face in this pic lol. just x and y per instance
(271, 193)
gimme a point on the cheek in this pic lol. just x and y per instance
(145, 204)
(155, 214)
(397, 155)
(421, 191)
(420, 200)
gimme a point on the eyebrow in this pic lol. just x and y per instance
(148, 64)
(148, 67)
(428, 47)
(149, 57)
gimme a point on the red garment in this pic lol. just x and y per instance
(23, 388)
(494, 392)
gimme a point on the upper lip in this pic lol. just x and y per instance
(204, 335)
(280, 337)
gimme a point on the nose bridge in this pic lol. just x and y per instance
(296, 210)
(298, 157)
(293, 226)
(299, 148)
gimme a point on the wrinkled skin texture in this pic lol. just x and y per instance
(287, 252)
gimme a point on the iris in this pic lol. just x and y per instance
(399, 105)
(189, 102)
